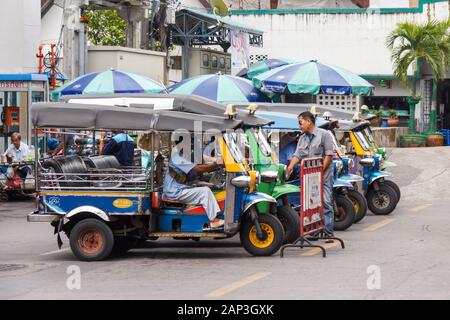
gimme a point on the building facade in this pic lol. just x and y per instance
(354, 39)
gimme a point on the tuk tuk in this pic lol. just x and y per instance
(260, 155)
(382, 195)
(342, 184)
(104, 208)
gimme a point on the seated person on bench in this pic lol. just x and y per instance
(175, 187)
(17, 152)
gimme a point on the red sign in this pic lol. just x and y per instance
(311, 196)
(12, 84)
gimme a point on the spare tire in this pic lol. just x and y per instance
(67, 165)
(103, 162)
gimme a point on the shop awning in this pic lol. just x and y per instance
(197, 28)
(23, 77)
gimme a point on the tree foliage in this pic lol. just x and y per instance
(429, 42)
(106, 28)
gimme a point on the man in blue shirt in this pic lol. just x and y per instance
(176, 187)
(121, 146)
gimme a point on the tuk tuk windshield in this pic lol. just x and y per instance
(365, 144)
(237, 144)
(263, 144)
(369, 136)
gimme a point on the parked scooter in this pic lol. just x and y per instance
(11, 183)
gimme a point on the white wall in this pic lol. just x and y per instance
(20, 22)
(389, 3)
(354, 41)
(51, 24)
(192, 4)
(143, 62)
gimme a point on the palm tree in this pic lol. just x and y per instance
(412, 44)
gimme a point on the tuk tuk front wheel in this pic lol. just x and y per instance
(290, 220)
(91, 240)
(273, 236)
(394, 186)
(382, 201)
(359, 203)
(344, 214)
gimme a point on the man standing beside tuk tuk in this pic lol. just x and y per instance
(313, 143)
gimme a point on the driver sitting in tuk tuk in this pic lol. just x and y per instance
(17, 152)
(176, 186)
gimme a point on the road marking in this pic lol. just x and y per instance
(314, 251)
(418, 208)
(379, 225)
(56, 251)
(238, 284)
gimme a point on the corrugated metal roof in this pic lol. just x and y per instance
(230, 23)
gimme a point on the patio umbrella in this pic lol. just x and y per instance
(311, 78)
(108, 82)
(266, 65)
(221, 88)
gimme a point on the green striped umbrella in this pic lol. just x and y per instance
(311, 78)
(221, 88)
(108, 82)
(266, 65)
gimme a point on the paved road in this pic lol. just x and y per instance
(401, 256)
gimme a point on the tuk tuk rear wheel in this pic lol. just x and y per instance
(273, 231)
(91, 240)
(382, 201)
(290, 220)
(359, 203)
(345, 214)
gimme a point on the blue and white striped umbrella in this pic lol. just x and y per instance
(109, 82)
(221, 88)
(266, 65)
(311, 78)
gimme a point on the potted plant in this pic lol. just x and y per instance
(376, 122)
(393, 118)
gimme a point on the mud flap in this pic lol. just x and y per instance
(57, 231)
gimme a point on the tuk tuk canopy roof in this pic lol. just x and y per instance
(348, 125)
(297, 108)
(173, 102)
(286, 121)
(97, 117)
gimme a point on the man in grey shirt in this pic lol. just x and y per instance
(313, 143)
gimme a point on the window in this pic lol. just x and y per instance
(222, 62)
(214, 61)
(228, 63)
(205, 60)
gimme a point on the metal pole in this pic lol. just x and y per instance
(152, 170)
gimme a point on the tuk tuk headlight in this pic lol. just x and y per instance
(241, 181)
(282, 172)
(269, 176)
(367, 162)
(351, 163)
(339, 167)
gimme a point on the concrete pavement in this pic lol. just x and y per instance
(401, 256)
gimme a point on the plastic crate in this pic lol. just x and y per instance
(446, 134)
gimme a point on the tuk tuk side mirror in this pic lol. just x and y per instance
(252, 107)
(230, 111)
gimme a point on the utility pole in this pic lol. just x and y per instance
(163, 36)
